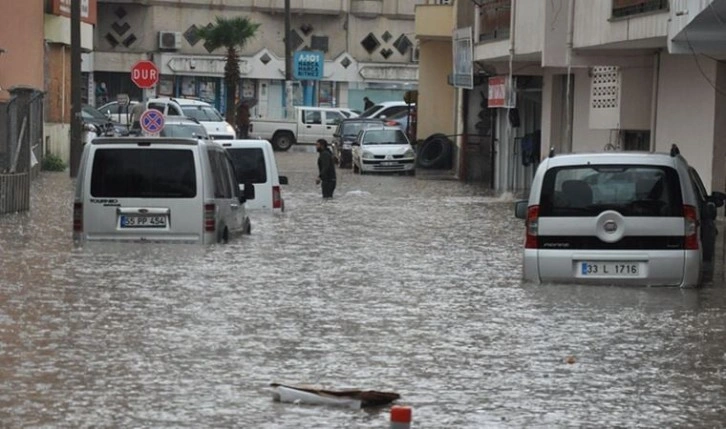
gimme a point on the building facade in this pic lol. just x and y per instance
(368, 47)
(581, 75)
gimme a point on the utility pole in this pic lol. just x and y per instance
(76, 137)
(288, 63)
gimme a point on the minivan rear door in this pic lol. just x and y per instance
(144, 191)
(603, 222)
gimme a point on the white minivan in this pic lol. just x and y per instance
(158, 189)
(205, 113)
(254, 161)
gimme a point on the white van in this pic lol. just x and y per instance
(158, 189)
(254, 162)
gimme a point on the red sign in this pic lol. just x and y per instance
(500, 92)
(88, 9)
(145, 74)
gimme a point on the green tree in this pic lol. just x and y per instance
(231, 34)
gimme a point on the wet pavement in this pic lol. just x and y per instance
(398, 284)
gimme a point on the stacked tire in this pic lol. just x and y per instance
(435, 152)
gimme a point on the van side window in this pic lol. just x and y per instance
(333, 118)
(156, 106)
(221, 185)
(173, 111)
(230, 176)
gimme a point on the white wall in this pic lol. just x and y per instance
(686, 110)
(529, 22)
(593, 25)
(585, 139)
(636, 94)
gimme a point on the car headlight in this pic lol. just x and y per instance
(409, 153)
(367, 155)
(230, 129)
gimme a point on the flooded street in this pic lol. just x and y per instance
(398, 283)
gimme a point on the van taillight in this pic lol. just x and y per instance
(209, 222)
(276, 198)
(531, 225)
(77, 217)
(690, 216)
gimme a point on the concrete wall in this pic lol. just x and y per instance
(593, 25)
(636, 95)
(436, 102)
(585, 139)
(21, 36)
(529, 22)
(686, 111)
(718, 179)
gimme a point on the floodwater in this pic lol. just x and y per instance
(398, 284)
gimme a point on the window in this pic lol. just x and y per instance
(384, 137)
(494, 19)
(218, 162)
(631, 190)
(312, 117)
(143, 173)
(333, 118)
(202, 113)
(623, 8)
(249, 165)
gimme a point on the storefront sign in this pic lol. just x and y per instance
(500, 92)
(463, 59)
(308, 65)
(88, 9)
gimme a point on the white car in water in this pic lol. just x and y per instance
(383, 149)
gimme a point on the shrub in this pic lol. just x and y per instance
(53, 163)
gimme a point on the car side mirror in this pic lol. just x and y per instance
(717, 198)
(711, 212)
(249, 191)
(283, 180)
(520, 209)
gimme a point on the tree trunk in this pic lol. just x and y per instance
(231, 78)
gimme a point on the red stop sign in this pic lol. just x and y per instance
(144, 74)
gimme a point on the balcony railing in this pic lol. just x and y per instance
(623, 8)
(494, 20)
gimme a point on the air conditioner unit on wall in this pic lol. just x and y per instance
(170, 40)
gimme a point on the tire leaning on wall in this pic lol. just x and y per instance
(435, 152)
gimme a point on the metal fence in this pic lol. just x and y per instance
(21, 144)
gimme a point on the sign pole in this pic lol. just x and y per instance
(288, 64)
(76, 131)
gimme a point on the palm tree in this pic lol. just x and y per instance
(231, 34)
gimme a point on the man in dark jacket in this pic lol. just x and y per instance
(326, 169)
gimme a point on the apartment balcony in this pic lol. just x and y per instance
(435, 20)
(494, 20)
(628, 8)
(324, 7)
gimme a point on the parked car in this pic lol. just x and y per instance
(308, 125)
(203, 112)
(344, 136)
(179, 126)
(158, 189)
(117, 112)
(618, 218)
(99, 124)
(386, 109)
(349, 113)
(254, 162)
(383, 149)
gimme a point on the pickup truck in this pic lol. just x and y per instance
(309, 125)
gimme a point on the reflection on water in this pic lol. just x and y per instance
(397, 284)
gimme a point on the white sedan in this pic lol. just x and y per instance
(383, 149)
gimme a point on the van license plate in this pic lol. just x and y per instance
(142, 221)
(610, 269)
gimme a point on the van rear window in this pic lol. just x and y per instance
(631, 190)
(249, 164)
(143, 173)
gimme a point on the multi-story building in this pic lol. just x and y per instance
(369, 50)
(35, 55)
(593, 75)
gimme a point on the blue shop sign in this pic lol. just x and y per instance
(308, 65)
